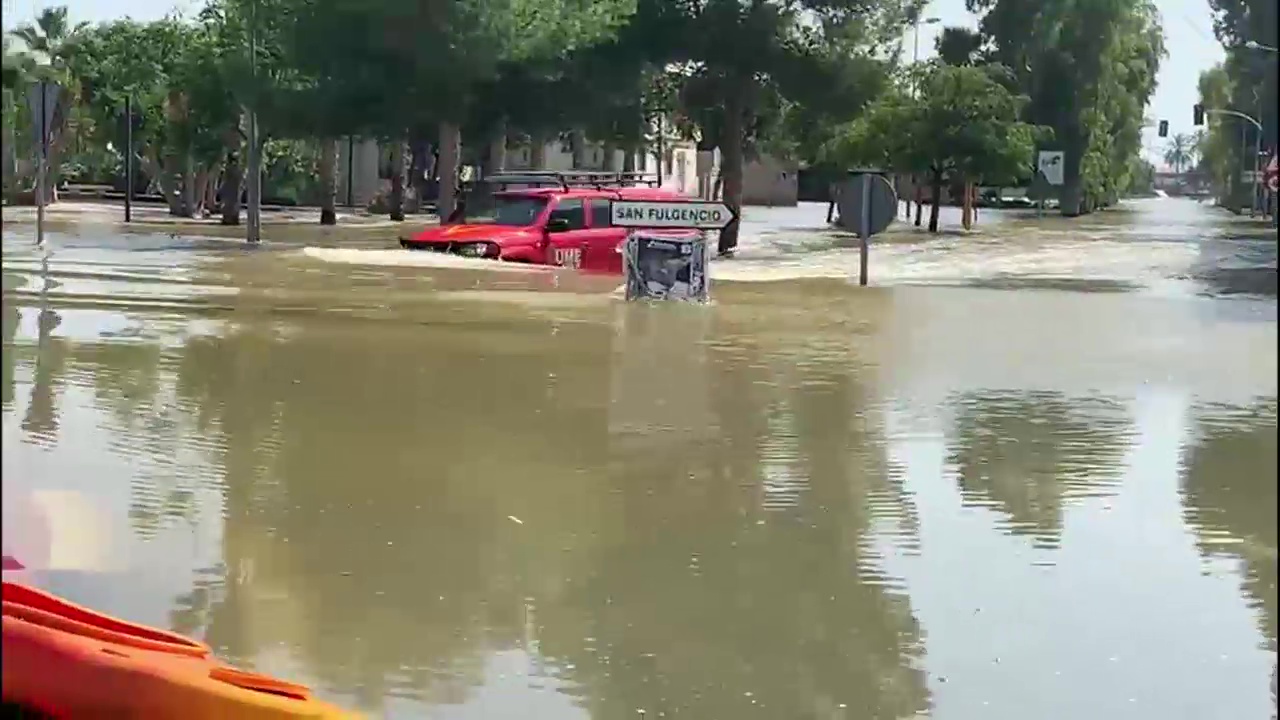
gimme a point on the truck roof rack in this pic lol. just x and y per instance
(566, 179)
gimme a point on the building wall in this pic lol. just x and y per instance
(357, 161)
(679, 172)
(765, 181)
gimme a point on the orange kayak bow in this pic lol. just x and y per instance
(65, 661)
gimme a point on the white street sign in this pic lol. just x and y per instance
(1050, 165)
(670, 214)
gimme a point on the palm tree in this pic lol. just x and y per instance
(17, 70)
(18, 66)
(1180, 151)
(50, 42)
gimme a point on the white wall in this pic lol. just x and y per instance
(363, 173)
(679, 173)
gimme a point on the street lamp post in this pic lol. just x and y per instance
(1255, 45)
(915, 46)
(1257, 148)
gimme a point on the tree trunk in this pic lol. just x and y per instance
(966, 212)
(919, 193)
(209, 190)
(629, 160)
(450, 150)
(328, 181)
(232, 179)
(937, 202)
(395, 202)
(188, 205)
(198, 185)
(731, 152)
(537, 152)
(167, 185)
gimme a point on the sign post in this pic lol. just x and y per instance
(868, 205)
(670, 265)
(42, 99)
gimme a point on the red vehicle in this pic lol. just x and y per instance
(565, 223)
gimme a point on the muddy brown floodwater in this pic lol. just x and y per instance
(1029, 474)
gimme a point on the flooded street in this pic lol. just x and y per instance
(1031, 473)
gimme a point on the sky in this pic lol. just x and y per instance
(1188, 27)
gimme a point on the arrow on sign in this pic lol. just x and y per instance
(688, 214)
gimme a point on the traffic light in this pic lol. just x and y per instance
(1164, 128)
(1198, 114)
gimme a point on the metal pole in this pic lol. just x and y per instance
(128, 158)
(1244, 148)
(864, 229)
(255, 170)
(42, 148)
(1257, 170)
(351, 160)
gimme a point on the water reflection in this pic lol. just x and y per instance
(712, 599)
(1229, 490)
(1238, 265)
(368, 495)
(1030, 453)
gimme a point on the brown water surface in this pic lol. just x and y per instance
(993, 486)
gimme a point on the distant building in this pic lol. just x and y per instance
(362, 175)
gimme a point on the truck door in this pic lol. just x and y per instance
(603, 241)
(566, 232)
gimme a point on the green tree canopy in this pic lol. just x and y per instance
(964, 125)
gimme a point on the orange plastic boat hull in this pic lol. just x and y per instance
(66, 661)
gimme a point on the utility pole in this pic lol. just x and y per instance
(128, 157)
(253, 221)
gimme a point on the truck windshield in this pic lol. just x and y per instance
(512, 210)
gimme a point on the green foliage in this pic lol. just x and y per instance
(790, 78)
(1089, 68)
(959, 46)
(1247, 83)
(1180, 152)
(1218, 146)
(964, 127)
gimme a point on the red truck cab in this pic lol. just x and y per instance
(560, 225)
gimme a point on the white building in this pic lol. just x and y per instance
(363, 173)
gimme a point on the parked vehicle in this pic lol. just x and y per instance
(546, 218)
